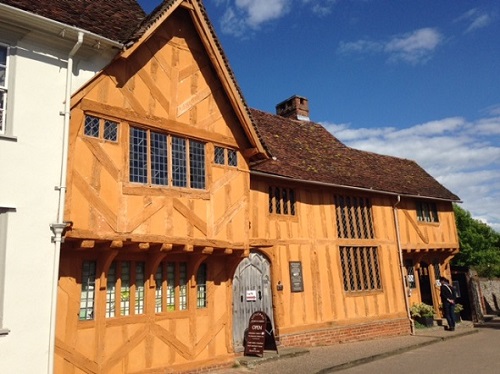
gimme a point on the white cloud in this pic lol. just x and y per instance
(476, 19)
(259, 11)
(462, 155)
(492, 110)
(414, 47)
(320, 7)
(243, 16)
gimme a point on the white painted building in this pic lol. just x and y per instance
(34, 85)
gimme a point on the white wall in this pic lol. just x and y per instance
(29, 170)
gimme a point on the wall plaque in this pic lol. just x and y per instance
(296, 281)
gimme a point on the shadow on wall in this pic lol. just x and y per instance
(490, 288)
(492, 309)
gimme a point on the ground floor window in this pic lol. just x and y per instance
(410, 273)
(88, 290)
(126, 288)
(201, 287)
(360, 268)
(125, 284)
(171, 286)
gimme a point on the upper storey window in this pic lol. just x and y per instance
(282, 201)
(95, 127)
(4, 53)
(165, 160)
(427, 212)
(225, 156)
(354, 217)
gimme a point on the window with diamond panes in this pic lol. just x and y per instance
(427, 212)
(360, 269)
(354, 217)
(281, 201)
(125, 283)
(201, 287)
(225, 156)
(219, 156)
(96, 127)
(149, 161)
(232, 157)
(87, 296)
(4, 54)
(110, 131)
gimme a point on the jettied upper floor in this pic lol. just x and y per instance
(160, 143)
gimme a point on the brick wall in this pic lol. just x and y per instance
(344, 334)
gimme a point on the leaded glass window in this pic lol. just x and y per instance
(197, 164)
(159, 159)
(201, 286)
(232, 157)
(125, 289)
(88, 290)
(179, 165)
(138, 155)
(96, 127)
(360, 269)
(219, 156)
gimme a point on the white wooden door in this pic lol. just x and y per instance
(252, 292)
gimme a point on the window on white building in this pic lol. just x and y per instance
(4, 56)
(3, 246)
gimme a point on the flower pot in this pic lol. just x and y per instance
(425, 321)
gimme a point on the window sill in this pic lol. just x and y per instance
(425, 223)
(4, 332)
(8, 138)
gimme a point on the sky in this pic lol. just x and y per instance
(417, 79)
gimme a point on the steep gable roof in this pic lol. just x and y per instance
(306, 151)
(112, 19)
(216, 53)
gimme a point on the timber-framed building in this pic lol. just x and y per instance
(187, 211)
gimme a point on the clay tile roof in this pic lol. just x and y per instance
(307, 151)
(112, 19)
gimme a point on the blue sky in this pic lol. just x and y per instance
(412, 79)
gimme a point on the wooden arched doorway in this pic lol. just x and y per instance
(252, 292)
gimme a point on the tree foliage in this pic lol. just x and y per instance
(479, 245)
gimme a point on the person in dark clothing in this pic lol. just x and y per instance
(448, 297)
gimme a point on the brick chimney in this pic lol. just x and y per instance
(296, 107)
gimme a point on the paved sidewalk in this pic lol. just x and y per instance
(322, 360)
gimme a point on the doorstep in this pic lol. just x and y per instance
(251, 361)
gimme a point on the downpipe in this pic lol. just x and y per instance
(401, 265)
(59, 226)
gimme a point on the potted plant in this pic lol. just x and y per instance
(458, 309)
(423, 314)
